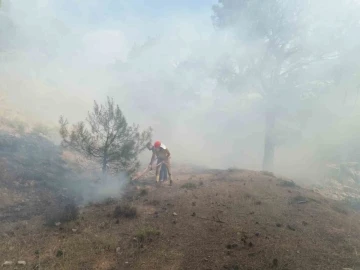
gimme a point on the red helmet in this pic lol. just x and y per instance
(157, 144)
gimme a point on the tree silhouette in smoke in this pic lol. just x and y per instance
(276, 56)
(106, 137)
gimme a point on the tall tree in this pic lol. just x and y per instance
(106, 137)
(276, 57)
(7, 26)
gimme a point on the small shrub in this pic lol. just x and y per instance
(58, 213)
(18, 125)
(143, 192)
(109, 201)
(268, 173)
(189, 185)
(21, 128)
(299, 199)
(353, 203)
(340, 208)
(145, 234)
(154, 202)
(125, 210)
(41, 129)
(201, 183)
(59, 253)
(233, 169)
(287, 183)
(71, 212)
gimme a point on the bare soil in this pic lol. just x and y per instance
(233, 219)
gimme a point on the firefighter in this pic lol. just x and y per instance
(162, 153)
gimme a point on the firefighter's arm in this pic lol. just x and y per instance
(167, 153)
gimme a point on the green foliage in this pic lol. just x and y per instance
(146, 233)
(189, 185)
(106, 137)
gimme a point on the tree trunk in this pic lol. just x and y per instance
(104, 165)
(269, 144)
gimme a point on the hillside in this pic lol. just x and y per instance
(233, 219)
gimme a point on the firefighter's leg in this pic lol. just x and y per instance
(158, 167)
(163, 173)
(168, 166)
(157, 173)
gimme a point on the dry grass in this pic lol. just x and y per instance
(15, 121)
(320, 238)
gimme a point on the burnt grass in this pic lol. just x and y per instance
(61, 213)
(33, 157)
(125, 210)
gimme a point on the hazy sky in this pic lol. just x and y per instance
(64, 40)
(59, 56)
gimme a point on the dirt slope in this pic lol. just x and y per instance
(209, 220)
